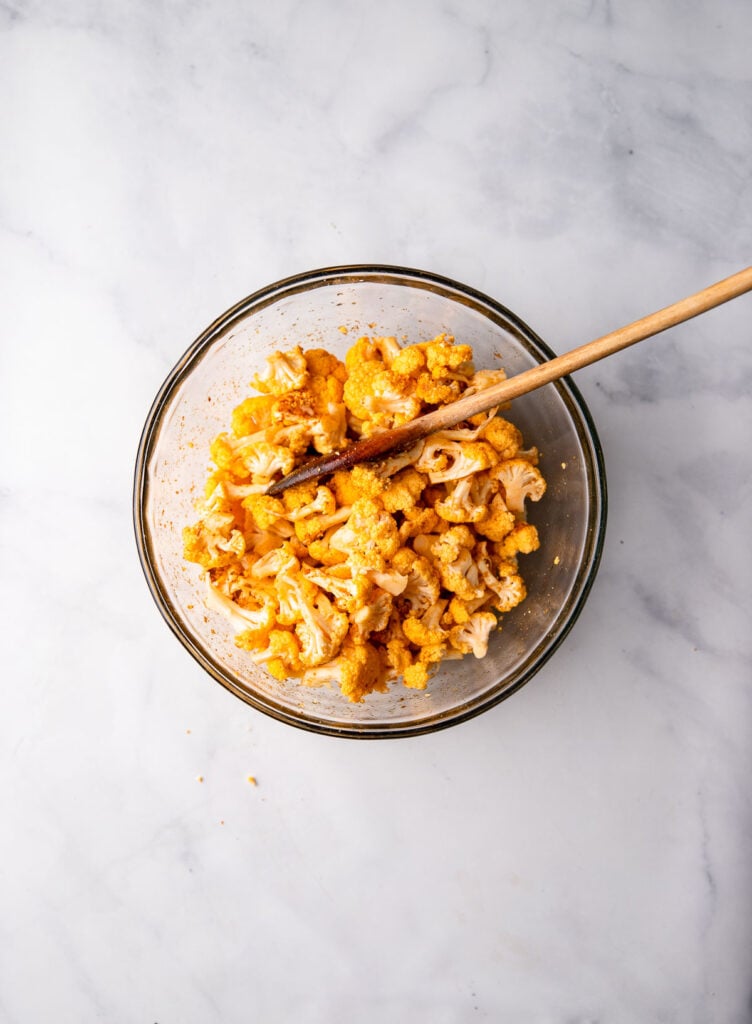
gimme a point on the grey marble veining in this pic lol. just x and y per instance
(580, 854)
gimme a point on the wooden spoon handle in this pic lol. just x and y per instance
(400, 438)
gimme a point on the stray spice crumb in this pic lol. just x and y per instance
(563, 465)
(199, 778)
(557, 560)
(342, 329)
(252, 780)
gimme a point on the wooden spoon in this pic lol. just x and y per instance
(400, 438)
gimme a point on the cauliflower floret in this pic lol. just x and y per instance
(397, 655)
(278, 560)
(372, 350)
(293, 592)
(459, 611)
(319, 550)
(293, 407)
(321, 363)
(472, 636)
(387, 347)
(321, 503)
(239, 491)
(443, 356)
(498, 521)
(212, 542)
(409, 361)
(403, 660)
(506, 584)
(392, 582)
(260, 542)
(329, 426)
(369, 537)
(231, 581)
(418, 521)
(420, 634)
(520, 480)
(242, 619)
(416, 676)
(449, 460)
(227, 453)
(503, 436)
(461, 576)
(263, 461)
(372, 392)
(359, 482)
(436, 392)
(281, 654)
(426, 630)
(321, 631)
(252, 415)
(350, 594)
(404, 490)
(319, 627)
(448, 546)
(356, 670)
(295, 435)
(312, 415)
(431, 654)
(267, 513)
(461, 504)
(422, 589)
(311, 527)
(372, 617)
(388, 467)
(299, 496)
(522, 538)
(285, 371)
(361, 351)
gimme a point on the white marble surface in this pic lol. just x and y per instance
(581, 853)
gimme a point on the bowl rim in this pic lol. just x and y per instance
(353, 273)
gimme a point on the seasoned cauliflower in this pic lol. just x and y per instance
(519, 480)
(383, 571)
(356, 670)
(285, 371)
(379, 397)
(369, 537)
(472, 636)
(445, 460)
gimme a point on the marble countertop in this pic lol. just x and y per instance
(579, 854)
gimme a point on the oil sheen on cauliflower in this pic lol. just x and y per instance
(378, 573)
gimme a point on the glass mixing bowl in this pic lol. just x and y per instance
(195, 404)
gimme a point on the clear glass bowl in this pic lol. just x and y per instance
(195, 403)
